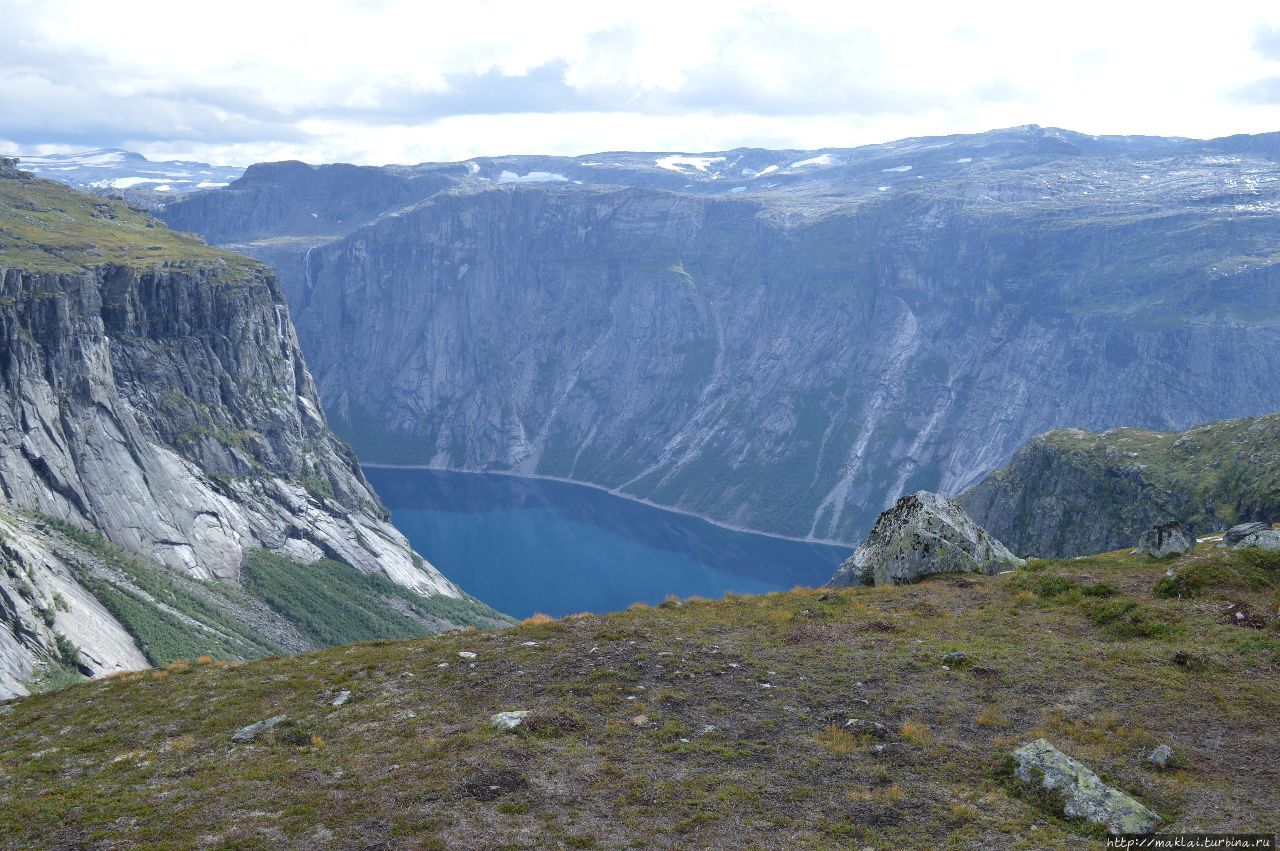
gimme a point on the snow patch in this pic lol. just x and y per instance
(213, 184)
(677, 162)
(898, 168)
(531, 177)
(964, 160)
(821, 159)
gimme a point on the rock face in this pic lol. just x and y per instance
(1166, 539)
(160, 402)
(778, 340)
(1073, 492)
(923, 534)
(1083, 793)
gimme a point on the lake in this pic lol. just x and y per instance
(526, 545)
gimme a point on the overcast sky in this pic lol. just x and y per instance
(378, 81)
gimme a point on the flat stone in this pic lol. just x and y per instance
(1083, 793)
(252, 731)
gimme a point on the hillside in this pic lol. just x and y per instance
(155, 408)
(1071, 492)
(708, 724)
(784, 341)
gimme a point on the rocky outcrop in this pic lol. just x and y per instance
(1265, 539)
(1072, 492)
(781, 341)
(1166, 539)
(922, 535)
(1238, 533)
(165, 406)
(1082, 792)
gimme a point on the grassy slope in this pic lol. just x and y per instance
(1224, 470)
(48, 227)
(317, 605)
(618, 752)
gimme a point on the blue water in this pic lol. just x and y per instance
(531, 545)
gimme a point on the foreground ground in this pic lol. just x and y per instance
(699, 724)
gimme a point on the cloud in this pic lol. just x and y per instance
(1267, 42)
(397, 80)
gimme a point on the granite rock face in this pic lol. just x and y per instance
(1266, 539)
(786, 341)
(163, 404)
(922, 535)
(1236, 534)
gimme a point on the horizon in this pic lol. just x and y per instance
(43, 151)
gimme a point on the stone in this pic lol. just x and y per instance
(341, 698)
(863, 727)
(1265, 538)
(1238, 533)
(1082, 792)
(252, 731)
(922, 535)
(508, 720)
(1166, 539)
(1161, 757)
(955, 657)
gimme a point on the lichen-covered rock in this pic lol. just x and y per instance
(1265, 538)
(1161, 757)
(508, 720)
(921, 535)
(1166, 539)
(1083, 793)
(1238, 533)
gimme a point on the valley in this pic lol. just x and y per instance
(784, 341)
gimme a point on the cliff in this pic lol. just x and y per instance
(786, 341)
(1071, 492)
(154, 395)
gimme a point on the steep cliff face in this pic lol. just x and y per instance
(1072, 492)
(164, 405)
(791, 345)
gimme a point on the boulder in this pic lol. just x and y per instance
(923, 534)
(1166, 539)
(1236, 534)
(1082, 792)
(508, 720)
(1265, 538)
(1161, 757)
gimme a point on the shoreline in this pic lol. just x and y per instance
(621, 495)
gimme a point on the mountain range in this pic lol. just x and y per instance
(785, 341)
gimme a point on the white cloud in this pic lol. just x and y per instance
(391, 81)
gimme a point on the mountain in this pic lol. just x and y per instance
(165, 467)
(846, 718)
(782, 340)
(1071, 492)
(129, 175)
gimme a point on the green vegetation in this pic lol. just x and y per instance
(694, 724)
(188, 625)
(1220, 473)
(332, 603)
(48, 227)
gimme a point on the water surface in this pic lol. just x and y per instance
(527, 545)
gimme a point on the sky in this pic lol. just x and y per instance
(384, 81)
